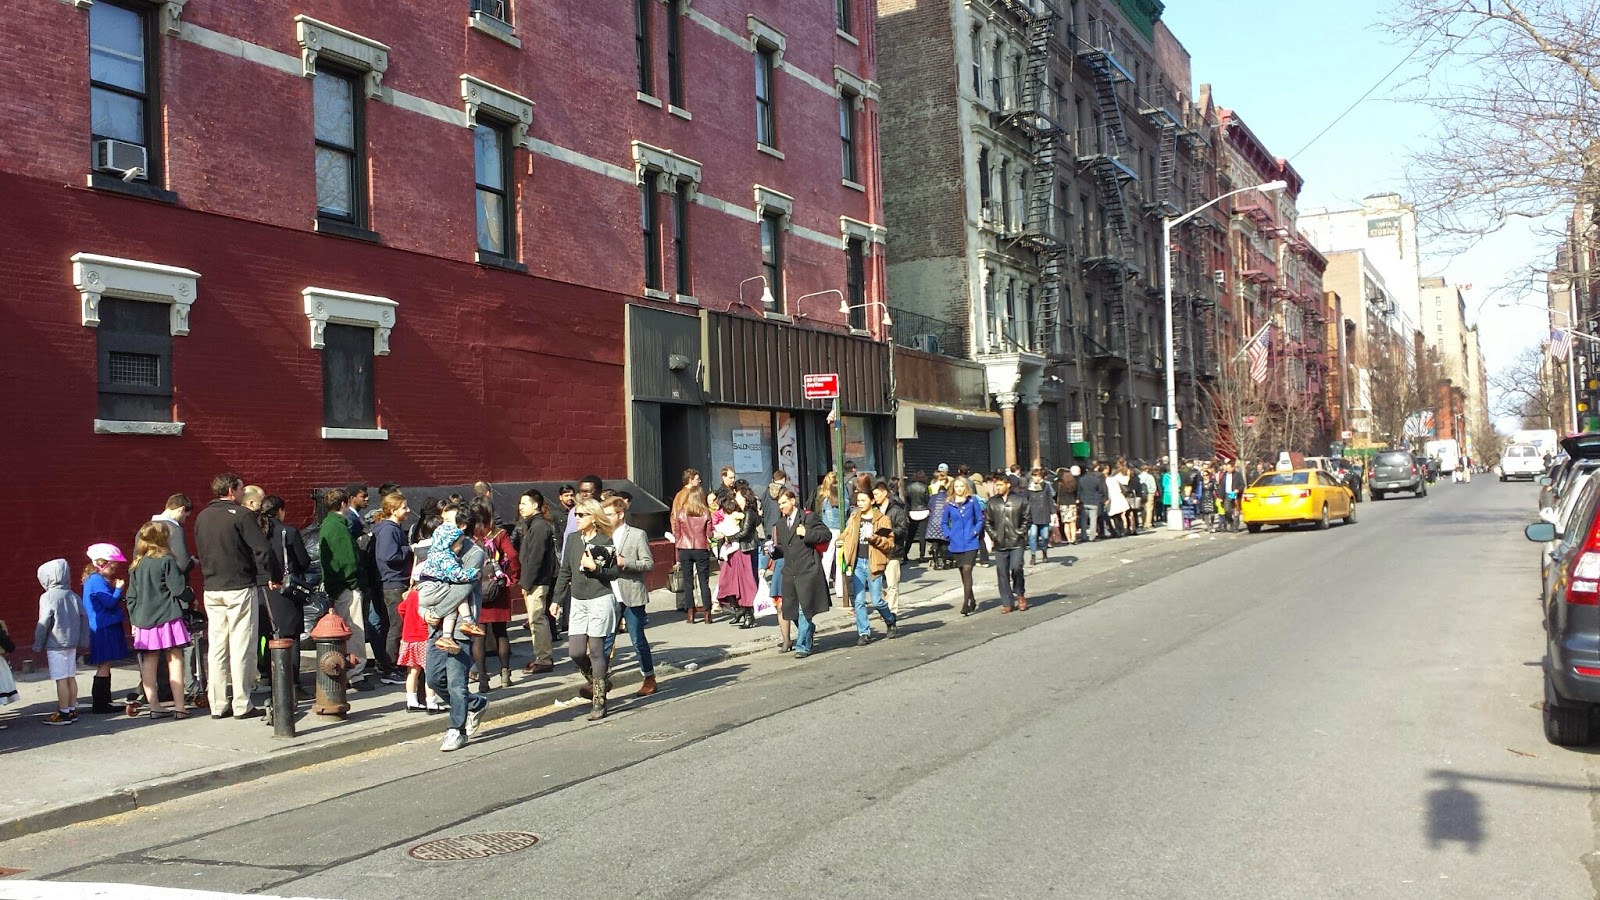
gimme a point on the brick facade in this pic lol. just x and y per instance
(491, 373)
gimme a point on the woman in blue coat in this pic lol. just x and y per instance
(962, 520)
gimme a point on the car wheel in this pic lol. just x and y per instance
(1322, 523)
(1253, 527)
(1377, 495)
(1351, 519)
(1566, 726)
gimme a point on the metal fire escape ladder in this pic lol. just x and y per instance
(1097, 48)
(1043, 230)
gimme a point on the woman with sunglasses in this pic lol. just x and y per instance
(583, 589)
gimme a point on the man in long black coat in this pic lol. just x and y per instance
(805, 590)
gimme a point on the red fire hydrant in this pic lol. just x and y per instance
(330, 635)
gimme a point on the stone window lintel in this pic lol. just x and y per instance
(108, 276)
(764, 35)
(769, 200)
(671, 167)
(318, 39)
(341, 308)
(516, 109)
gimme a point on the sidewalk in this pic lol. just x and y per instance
(107, 764)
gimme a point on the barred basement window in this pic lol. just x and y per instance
(139, 369)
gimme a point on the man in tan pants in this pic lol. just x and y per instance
(536, 554)
(236, 560)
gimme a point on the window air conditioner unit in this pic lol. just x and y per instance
(120, 157)
(494, 8)
(985, 212)
(927, 343)
(1158, 413)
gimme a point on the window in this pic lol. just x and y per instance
(650, 230)
(675, 57)
(1016, 82)
(766, 121)
(855, 280)
(994, 73)
(492, 151)
(772, 256)
(641, 43)
(847, 135)
(680, 238)
(977, 63)
(135, 361)
(1005, 194)
(339, 141)
(348, 395)
(121, 79)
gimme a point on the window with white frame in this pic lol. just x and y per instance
(351, 330)
(136, 308)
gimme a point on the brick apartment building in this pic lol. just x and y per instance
(1033, 148)
(428, 243)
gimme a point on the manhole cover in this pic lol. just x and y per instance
(473, 846)
(654, 737)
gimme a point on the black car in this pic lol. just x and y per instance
(1350, 471)
(1571, 600)
(1397, 470)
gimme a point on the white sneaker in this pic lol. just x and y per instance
(453, 740)
(475, 718)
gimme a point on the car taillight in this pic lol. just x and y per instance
(1583, 581)
(1413, 470)
(1302, 495)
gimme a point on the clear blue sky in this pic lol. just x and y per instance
(1289, 69)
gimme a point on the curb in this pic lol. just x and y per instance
(187, 784)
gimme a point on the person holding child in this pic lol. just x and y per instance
(446, 585)
(102, 603)
(62, 631)
(158, 594)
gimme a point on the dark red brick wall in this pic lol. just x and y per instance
(492, 374)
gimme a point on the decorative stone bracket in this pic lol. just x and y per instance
(514, 108)
(671, 169)
(318, 39)
(108, 276)
(323, 306)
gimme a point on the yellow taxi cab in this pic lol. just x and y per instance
(1296, 496)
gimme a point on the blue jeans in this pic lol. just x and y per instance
(1038, 537)
(862, 583)
(447, 675)
(802, 642)
(634, 616)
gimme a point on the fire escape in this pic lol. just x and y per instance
(1100, 154)
(1042, 230)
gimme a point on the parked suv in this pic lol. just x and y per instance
(1396, 470)
(1521, 461)
(1571, 599)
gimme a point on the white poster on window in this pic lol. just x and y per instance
(788, 448)
(748, 453)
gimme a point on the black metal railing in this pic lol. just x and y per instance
(928, 334)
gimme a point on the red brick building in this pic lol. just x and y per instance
(426, 242)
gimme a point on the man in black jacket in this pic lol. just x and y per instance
(535, 539)
(233, 553)
(805, 589)
(1092, 500)
(1005, 523)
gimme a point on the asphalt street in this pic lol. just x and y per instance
(1350, 713)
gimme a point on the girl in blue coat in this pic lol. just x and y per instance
(963, 528)
(102, 604)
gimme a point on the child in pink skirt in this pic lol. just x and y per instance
(157, 596)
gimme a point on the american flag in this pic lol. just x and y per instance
(1258, 356)
(1560, 344)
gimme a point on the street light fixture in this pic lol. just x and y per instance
(1175, 511)
(767, 300)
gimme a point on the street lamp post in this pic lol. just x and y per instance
(1175, 511)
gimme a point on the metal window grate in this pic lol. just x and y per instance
(142, 369)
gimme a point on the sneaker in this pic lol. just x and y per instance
(447, 645)
(863, 640)
(436, 708)
(393, 676)
(61, 717)
(471, 629)
(894, 628)
(475, 718)
(453, 740)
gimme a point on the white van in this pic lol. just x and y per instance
(1521, 461)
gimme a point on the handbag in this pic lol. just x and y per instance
(675, 579)
(294, 590)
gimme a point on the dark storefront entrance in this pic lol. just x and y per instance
(939, 444)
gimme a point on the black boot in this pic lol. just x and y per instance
(101, 695)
